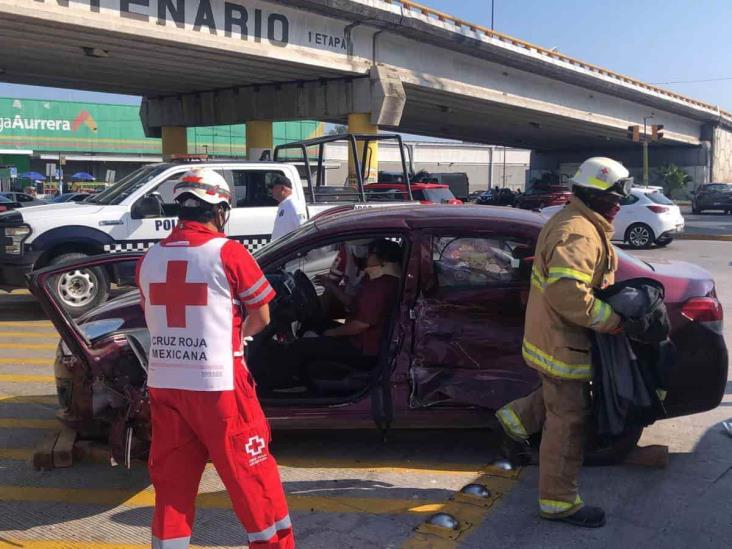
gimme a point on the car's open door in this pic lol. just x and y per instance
(79, 333)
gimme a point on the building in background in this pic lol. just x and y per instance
(108, 140)
(485, 165)
(102, 139)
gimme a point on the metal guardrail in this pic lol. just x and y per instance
(461, 24)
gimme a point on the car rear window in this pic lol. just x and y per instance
(659, 198)
(718, 187)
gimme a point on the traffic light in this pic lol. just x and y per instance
(634, 133)
(657, 132)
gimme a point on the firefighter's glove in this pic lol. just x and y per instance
(635, 328)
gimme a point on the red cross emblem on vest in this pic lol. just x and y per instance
(175, 294)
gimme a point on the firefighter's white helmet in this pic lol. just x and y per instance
(603, 174)
(202, 184)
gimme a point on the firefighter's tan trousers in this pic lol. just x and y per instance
(562, 409)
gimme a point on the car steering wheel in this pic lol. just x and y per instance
(305, 299)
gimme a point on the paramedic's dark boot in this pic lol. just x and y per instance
(587, 517)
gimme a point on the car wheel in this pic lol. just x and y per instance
(694, 209)
(79, 290)
(639, 235)
(612, 452)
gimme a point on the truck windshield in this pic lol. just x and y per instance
(126, 186)
(437, 195)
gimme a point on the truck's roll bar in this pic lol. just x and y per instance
(356, 143)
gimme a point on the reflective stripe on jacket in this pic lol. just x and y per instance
(573, 256)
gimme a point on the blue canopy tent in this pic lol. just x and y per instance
(83, 176)
(33, 176)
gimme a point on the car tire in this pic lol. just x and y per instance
(694, 209)
(614, 452)
(639, 236)
(81, 290)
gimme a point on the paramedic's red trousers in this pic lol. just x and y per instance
(230, 428)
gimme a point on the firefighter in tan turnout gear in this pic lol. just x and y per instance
(573, 257)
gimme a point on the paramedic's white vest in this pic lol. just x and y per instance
(190, 317)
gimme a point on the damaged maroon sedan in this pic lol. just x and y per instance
(451, 348)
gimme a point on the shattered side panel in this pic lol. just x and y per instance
(467, 350)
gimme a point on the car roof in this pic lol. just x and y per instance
(403, 186)
(647, 190)
(424, 216)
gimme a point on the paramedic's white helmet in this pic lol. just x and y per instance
(202, 184)
(605, 175)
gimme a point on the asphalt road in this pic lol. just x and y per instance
(355, 490)
(707, 223)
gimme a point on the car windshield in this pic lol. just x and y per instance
(718, 187)
(127, 186)
(437, 195)
(4, 199)
(659, 198)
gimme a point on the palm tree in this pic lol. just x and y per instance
(674, 178)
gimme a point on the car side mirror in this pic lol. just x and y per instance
(149, 206)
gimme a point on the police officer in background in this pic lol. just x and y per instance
(290, 214)
(573, 257)
(202, 294)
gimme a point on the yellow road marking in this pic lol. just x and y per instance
(24, 378)
(17, 454)
(469, 511)
(29, 346)
(216, 500)
(29, 324)
(418, 468)
(13, 423)
(64, 544)
(27, 361)
(31, 335)
(29, 399)
(380, 466)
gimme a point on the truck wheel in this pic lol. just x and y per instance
(80, 290)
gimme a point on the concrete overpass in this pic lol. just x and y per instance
(373, 63)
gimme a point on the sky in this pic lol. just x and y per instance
(656, 41)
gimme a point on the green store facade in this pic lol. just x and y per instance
(98, 138)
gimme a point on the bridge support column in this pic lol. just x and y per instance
(361, 123)
(259, 138)
(175, 140)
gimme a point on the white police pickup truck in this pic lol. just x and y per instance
(139, 210)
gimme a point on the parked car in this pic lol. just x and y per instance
(23, 199)
(457, 181)
(712, 196)
(450, 353)
(70, 197)
(646, 217)
(497, 197)
(539, 197)
(6, 204)
(426, 193)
